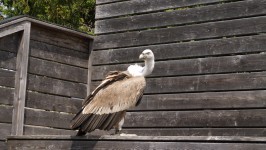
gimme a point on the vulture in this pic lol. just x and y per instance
(105, 108)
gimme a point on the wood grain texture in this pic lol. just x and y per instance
(108, 1)
(6, 96)
(207, 100)
(68, 145)
(8, 60)
(21, 81)
(59, 54)
(7, 111)
(14, 28)
(212, 47)
(179, 17)
(37, 130)
(58, 87)
(182, 33)
(3, 145)
(47, 118)
(55, 37)
(211, 65)
(5, 130)
(57, 70)
(204, 83)
(256, 132)
(10, 42)
(52, 102)
(7, 78)
(205, 118)
(142, 6)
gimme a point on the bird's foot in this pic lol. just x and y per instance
(117, 132)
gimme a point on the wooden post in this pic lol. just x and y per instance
(89, 68)
(21, 82)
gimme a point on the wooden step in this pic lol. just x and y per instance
(136, 142)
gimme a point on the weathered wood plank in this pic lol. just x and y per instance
(206, 118)
(8, 60)
(5, 130)
(21, 81)
(3, 145)
(257, 132)
(11, 29)
(143, 6)
(55, 37)
(36, 130)
(179, 17)
(108, 1)
(241, 81)
(182, 33)
(7, 111)
(208, 100)
(204, 83)
(204, 48)
(47, 118)
(7, 78)
(10, 42)
(68, 145)
(57, 70)
(239, 63)
(6, 96)
(59, 54)
(57, 87)
(52, 102)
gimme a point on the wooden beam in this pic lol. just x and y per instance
(11, 29)
(21, 81)
(90, 68)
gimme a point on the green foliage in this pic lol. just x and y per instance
(77, 14)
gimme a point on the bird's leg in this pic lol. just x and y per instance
(118, 127)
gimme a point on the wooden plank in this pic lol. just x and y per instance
(57, 70)
(47, 118)
(59, 54)
(36, 130)
(8, 60)
(144, 6)
(5, 130)
(206, 118)
(241, 81)
(207, 100)
(55, 37)
(108, 1)
(6, 96)
(204, 48)
(21, 81)
(204, 83)
(7, 78)
(184, 16)
(7, 110)
(203, 139)
(257, 132)
(218, 29)
(3, 145)
(58, 87)
(63, 145)
(52, 102)
(239, 63)
(10, 42)
(11, 29)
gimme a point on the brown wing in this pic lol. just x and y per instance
(106, 106)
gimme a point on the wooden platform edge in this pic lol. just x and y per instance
(220, 139)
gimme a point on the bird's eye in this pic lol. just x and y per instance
(148, 53)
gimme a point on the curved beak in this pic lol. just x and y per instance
(142, 57)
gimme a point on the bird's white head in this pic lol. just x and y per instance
(147, 55)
